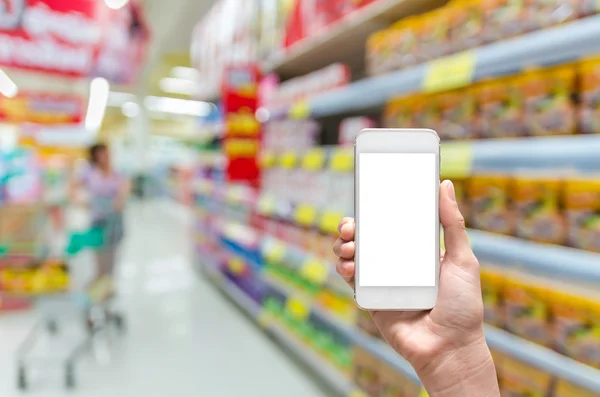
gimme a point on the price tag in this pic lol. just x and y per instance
(450, 72)
(266, 205)
(274, 252)
(330, 221)
(299, 111)
(342, 160)
(457, 160)
(423, 393)
(288, 160)
(313, 160)
(315, 271)
(297, 308)
(305, 215)
(236, 265)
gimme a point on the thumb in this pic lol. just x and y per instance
(456, 240)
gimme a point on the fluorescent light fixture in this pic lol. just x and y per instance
(8, 87)
(178, 106)
(116, 4)
(130, 109)
(185, 73)
(99, 90)
(178, 86)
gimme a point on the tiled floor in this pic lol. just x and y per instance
(184, 339)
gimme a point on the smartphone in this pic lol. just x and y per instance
(396, 183)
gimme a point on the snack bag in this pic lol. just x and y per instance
(567, 389)
(504, 19)
(546, 13)
(403, 43)
(376, 52)
(366, 371)
(466, 24)
(582, 208)
(458, 114)
(549, 109)
(492, 284)
(589, 71)
(490, 203)
(522, 380)
(526, 308)
(537, 202)
(501, 108)
(427, 112)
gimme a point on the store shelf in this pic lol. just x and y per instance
(547, 47)
(553, 260)
(545, 359)
(329, 374)
(344, 41)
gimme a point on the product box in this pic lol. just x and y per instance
(458, 114)
(589, 77)
(549, 109)
(582, 209)
(427, 112)
(366, 371)
(527, 311)
(520, 379)
(501, 108)
(466, 24)
(351, 127)
(489, 198)
(434, 34)
(504, 19)
(492, 288)
(537, 201)
(567, 389)
(340, 176)
(395, 384)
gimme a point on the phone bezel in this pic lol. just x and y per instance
(395, 140)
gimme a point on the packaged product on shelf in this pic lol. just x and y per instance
(567, 389)
(582, 208)
(520, 379)
(288, 162)
(404, 43)
(537, 201)
(466, 24)
(501, 108)
(489, 199)
(366, 370)
(340, 191)
(433, 31)
(399, 113)
(395, 384)
(313, 179)
(576, 323)
(589, 71)
(376, 48)
(458, 114)
(351, 127)
(549, 109)
(504, 19)
(492, 287)
(427, 112)
(527, 308)
(546, 13)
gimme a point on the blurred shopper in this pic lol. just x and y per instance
(446, 346)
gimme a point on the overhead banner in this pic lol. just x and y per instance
(46, 109)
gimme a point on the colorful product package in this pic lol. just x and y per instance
(492, 286)
(489, 199)
(589, 72)
(537, 201)
(366, 371)
(399, 113)
(466, 24)
(567, 389)
(395, 384)
(526, 306)
(520, 379)
(582, 208)
(378, 53)
(458, 114)
(504, 19)
(549, 109)
(427, 112)
(576, 324)
(501, 108)
(351, 127)
(546, 13)
(433, 34)
(404, 42)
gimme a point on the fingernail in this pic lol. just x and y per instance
(451, 192)
(340, 225)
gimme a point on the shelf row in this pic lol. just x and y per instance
(551, 46)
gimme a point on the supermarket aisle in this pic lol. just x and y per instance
(184, 338)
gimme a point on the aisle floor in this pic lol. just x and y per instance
(184, 338)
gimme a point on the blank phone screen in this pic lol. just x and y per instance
(396, 219)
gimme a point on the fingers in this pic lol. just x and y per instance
(456, 240)
(343, 249)
(346, 229)
(346, 270)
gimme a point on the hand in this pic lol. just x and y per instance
(446, 346)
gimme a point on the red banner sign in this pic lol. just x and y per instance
(47, 109)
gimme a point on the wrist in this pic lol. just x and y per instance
(467, 371)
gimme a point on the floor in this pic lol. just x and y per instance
(184, 339)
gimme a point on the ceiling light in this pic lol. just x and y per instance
(185, 73)
(99, 90)
(8, 87)
(130, 109)
(178, 86)
(178, 106)
(116, 4)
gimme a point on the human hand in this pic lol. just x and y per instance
(446, 346)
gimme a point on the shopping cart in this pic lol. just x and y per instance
(64, 304)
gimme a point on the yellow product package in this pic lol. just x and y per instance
(589, 80)
(501, 108)
(404, 43)
(582, 209)
(492, 285)
(466, 23)
(576, 324)
(567, 389)
(526, 307)
(489, 198)
(399, 113)
(427, 112)
(504, 19)
(520, 380)
(434, 35)
(458, 114)
(537, 201)
(375, 52)
(366, 371)
(549, 109)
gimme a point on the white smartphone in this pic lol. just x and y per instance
(396, 184)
